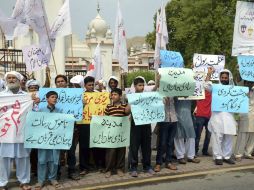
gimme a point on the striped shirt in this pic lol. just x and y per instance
(115, 110)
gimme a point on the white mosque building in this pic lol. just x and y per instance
(71, 54)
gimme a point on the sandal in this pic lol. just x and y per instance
(38, 186)
(56, 184)
(74, 176)
(25, 186)
(84, 172)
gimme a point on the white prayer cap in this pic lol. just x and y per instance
(231, 81)
(140, 77)
(113, 77)
(17, 74)
(32, 82)
(151, 82)
(102, 82)
(78, 79)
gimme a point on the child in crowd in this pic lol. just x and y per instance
(140, 137)
(84, 134)
(33, 88)
(115, 157)
(48, 158)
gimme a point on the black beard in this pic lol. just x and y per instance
(224, 82)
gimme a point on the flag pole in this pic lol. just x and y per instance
(72, 58)
(51, 49)
(48, 37)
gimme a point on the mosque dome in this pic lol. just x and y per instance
(109, 33)
(93, 33)
(99, 25)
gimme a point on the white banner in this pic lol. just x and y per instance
(243, 39)
(35, 58)
(201, 62)
(13, 111)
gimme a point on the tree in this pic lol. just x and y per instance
(200, 26)
(148, 75)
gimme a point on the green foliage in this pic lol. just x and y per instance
(148, 75)
(200, 26)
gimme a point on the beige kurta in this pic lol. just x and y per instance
(246, 121)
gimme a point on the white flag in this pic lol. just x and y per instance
(163, 30)
(161, 36)
(21, 30)
(96, 68)
(157, 43)
(8, 26)
(62, 24)
(13, 26)
(35, 16)
(19, 11)
(120, 47)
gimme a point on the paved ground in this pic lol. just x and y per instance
(233, 180)
(97, 180)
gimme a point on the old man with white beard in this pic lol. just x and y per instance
(14, 151)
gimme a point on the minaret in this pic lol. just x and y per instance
(99, 32)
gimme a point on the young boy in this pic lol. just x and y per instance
(115, 157)
(140, 137)
(84, 134)
(47, 158)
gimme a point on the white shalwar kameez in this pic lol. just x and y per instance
(245, 138)
(16, 152)
(222, 126)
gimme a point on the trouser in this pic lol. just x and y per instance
(183, 147)
(115, 158)
(22, 170)
(71, 157)
(244, 144)
(222, 145)
(84, 150)
(200, 123)
(99, 155)
(34, 160)
(140, 137)
(167, 133)
(49, 169)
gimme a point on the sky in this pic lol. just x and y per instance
(137, 14)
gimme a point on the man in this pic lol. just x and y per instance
(202, 115)
(185, 135)
(245, 138)
(16, 151)
(23, 82)
(222, 125)
(61, 82)
(112, 83)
